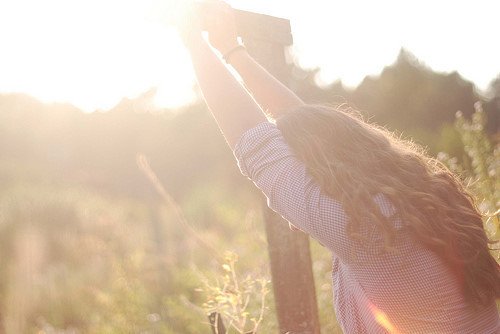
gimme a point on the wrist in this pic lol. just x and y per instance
(231, 52)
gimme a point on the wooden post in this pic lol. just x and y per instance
(265, 38)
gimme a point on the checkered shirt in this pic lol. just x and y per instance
(409, 290)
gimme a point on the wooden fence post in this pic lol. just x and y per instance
(265, 38)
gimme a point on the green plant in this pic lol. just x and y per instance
(480, 168)
(232, 297)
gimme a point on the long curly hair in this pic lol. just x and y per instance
(353, 161)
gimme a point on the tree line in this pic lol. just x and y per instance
(184, 146)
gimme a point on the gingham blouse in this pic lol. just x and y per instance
(409, 290)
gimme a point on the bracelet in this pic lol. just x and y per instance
(232, 51)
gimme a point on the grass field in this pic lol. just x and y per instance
(79, 260)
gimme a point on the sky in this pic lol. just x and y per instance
(93, 53)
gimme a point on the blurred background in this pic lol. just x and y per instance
(122, 209)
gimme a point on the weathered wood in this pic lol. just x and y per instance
(263, 27)
(256, 26)
(289, 253)
(292, 277)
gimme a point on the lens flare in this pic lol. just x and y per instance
(383, 320)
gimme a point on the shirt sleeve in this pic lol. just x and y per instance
(265, 158)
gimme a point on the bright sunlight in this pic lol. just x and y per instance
(93, 53)
(123, 210)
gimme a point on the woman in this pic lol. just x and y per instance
(410, 253)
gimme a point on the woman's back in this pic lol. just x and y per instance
(406, 289)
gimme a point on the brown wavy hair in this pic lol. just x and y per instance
(353, 161)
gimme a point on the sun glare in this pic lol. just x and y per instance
(91, 53)
(382, 319)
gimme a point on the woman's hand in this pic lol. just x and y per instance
(187, 22)
(221, 26)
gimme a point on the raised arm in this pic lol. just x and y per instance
(233, 108)
(274, 97)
